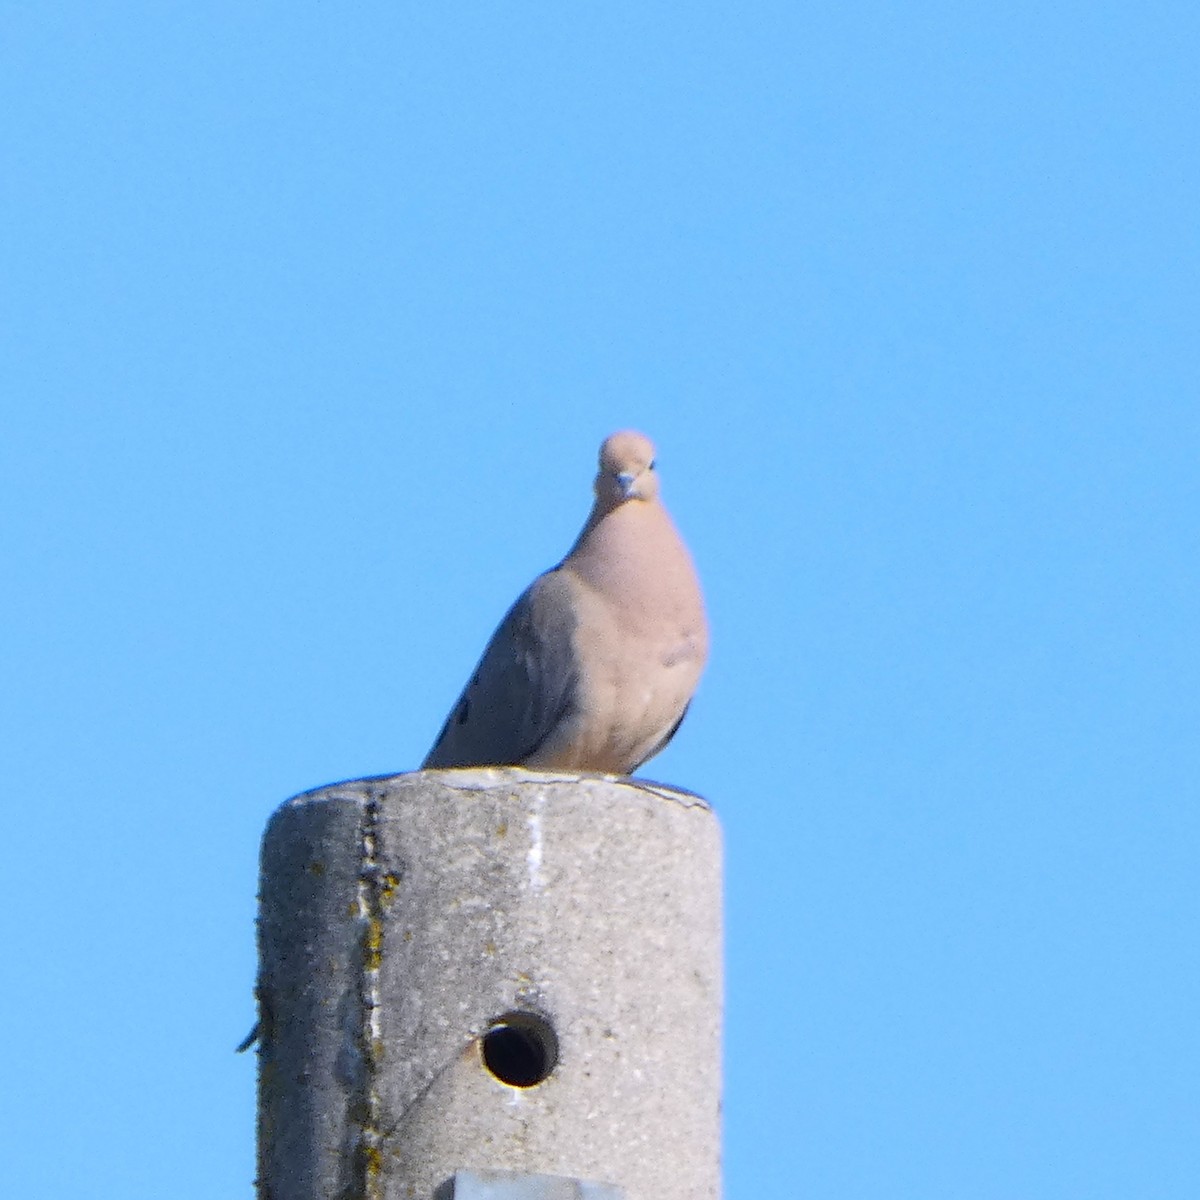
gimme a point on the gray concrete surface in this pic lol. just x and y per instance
(423, 934)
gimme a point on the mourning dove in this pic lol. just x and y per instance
(594, 666)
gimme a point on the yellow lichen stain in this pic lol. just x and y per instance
(388, 886)
(372, 1161)
(489, 948)
(316, 868)
(373, 944)
(408, 935)
(502, 829)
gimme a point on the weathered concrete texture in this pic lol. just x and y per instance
(401, 917)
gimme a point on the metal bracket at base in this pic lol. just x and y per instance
(515, 1185)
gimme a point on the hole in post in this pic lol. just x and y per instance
(520, 1049)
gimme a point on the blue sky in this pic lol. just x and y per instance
(311, 319)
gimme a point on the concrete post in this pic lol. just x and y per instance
(471, 973)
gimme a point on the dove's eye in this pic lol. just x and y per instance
(651, 466)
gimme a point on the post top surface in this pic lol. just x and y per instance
(484, 779)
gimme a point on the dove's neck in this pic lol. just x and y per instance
(632, 548)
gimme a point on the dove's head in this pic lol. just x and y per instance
(626, 469)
